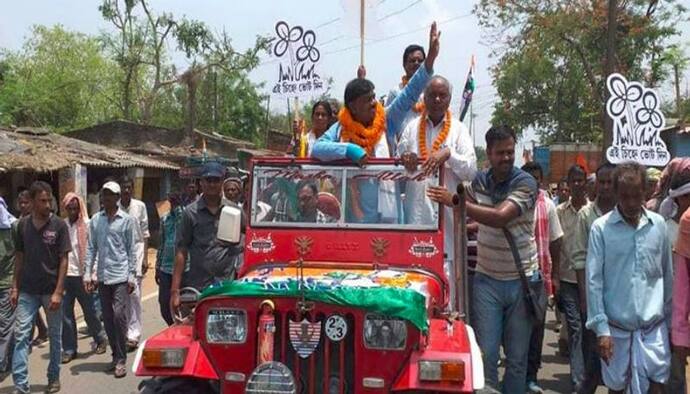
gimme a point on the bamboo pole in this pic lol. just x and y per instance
(361, 31)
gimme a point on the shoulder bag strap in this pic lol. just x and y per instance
(516, 258)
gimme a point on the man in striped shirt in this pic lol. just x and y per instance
(503, 197)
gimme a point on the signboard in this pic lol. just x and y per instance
(295, 49)
(637, 121)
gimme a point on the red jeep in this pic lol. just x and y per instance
(330, 298)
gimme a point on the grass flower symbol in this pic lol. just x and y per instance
(307, 50)
(648, 112)
(286, 36)
(621, 94)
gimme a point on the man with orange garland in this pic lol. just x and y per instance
(363, 125)
(436, 139)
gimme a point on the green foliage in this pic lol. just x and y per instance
(230, 104)
(552, 59)
(59, 79)
(480, 152)
(65, 80)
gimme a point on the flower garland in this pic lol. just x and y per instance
(440, 138)
(302, 140)
(355, 132)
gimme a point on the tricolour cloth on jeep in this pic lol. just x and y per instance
(388, 292)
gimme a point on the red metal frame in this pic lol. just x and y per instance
(351, 246)
(197, 364)
(351, 249)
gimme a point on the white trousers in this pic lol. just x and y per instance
(638, 357)
(134, 325)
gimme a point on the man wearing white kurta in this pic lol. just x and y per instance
(455, 152)
(136, 209)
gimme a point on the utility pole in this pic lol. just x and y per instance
(215, 100)
(610, 69)
(472, 130)
(268, 112)
(676, 72)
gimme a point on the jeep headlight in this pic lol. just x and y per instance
(226, 326)
(381, 332)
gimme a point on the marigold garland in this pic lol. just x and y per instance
(302, 139)
(440, 138)
(355, 132)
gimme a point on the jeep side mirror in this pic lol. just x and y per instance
(230, 224)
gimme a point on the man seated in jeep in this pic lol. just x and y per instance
(307, 202)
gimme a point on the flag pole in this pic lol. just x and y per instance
(361, 31)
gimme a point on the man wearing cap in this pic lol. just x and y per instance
(209, 259)
(113, 241)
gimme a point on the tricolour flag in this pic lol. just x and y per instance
(467, 92)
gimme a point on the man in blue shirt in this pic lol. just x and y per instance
(629, 281)
(362, 110)
(363, 129)
(112, 239)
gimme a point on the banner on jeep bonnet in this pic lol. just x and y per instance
(402, 303)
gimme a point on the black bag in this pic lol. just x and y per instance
(535, 294)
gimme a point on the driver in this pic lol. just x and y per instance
(308, 200)
(210, 260)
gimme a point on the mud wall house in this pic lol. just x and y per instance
(556, 159)
(171, 145)
(278, 141)
(72, 165)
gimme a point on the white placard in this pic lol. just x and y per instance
(637, 121)
(297, 55)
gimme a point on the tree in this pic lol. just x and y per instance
(127, 48)
(141, 38)
(59, 79)
(678, 61)
(230, 104)
(553, 62)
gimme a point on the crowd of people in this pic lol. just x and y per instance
(611, 249)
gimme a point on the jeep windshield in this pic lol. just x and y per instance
(383, 196)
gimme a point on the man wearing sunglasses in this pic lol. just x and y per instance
(209, 259)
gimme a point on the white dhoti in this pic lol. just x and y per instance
(134, 326)
(638, 357)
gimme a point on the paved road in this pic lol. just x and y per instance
(85, 374)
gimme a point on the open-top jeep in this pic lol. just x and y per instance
(338, 293)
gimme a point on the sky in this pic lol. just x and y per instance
(393, 24)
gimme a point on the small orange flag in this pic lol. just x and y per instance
(582, 162)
